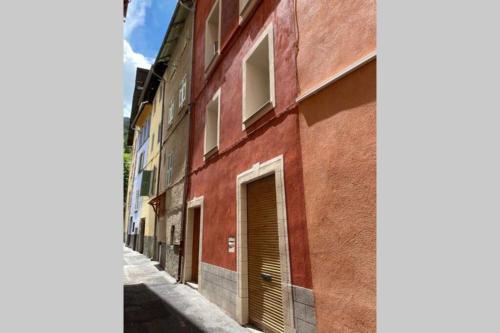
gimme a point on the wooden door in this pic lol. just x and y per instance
(265, 300)
(143, 226)
(196, 245)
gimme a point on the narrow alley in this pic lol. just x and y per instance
(153, 302)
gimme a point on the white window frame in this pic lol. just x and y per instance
(247, 120)
(137, 198)
(211, 150)
(170, 168)
(245, 9)
(182, 92)
(170, 113)
(211, 61)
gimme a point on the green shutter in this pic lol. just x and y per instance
(145, 184)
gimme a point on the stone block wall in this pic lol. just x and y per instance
(304, 310)
(219, 285)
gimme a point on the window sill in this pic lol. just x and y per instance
(210, 153)
(211, 64)
(268, 106)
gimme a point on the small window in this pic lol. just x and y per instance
(141, 162)
(212, 34)
(171, 113)
(212, 124)
(170, 168)
(182, 93)
(137, 197)
(258, 78)
(245, 8)
(172, 234)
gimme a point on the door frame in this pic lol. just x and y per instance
(188, 241)
(258, 171)
(142, 234)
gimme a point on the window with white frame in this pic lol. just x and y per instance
(137, 197)
(246, 7)
(182, 92)
(170, 168)
(212, 34)
(172, 234)
(141, 162)
(258, 76)
(171, 113)
(212, 113)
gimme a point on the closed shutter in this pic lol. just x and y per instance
(265, 301)
(145, 183)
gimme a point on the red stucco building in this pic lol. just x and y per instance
(280, 222)
(245, 166)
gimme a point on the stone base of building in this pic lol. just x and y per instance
(132, 242)
(304, 310)
(148, 249)
(219, 285)
(171, 261)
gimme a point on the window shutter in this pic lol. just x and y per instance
(153, 183)
(145, 184)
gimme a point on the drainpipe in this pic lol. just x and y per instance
(157, 216)
(184, 201)
(188, 153)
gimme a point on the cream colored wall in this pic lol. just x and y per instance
(130, 184)
(147, 210)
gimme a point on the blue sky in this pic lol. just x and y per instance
(143, 32)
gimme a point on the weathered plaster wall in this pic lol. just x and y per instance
(332, 35)
(175, 141)
(338, 140)
(215, 179)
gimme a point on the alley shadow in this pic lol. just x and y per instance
(146, 312)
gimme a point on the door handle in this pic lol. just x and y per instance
(266, 277)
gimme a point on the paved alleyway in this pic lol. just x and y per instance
(153, 302)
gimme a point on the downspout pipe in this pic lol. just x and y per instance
(188, 152)
(157, 216)
(184, 201)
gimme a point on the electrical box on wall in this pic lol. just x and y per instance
(231, 242)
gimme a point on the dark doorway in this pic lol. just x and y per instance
(196, 245)
(142, 231)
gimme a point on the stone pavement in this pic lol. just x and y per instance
(153, 302)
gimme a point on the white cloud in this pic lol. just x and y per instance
(131, 60)
(136, 15)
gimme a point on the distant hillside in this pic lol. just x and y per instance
(126, 123)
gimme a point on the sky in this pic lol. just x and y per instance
(143, 32)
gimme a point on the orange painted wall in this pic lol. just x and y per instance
(338, 140)
(338, 147)
(346, 32)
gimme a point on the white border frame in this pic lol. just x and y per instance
(268, 32)
(260, 170)
(188, 240)
(216, 96)
(208, 65)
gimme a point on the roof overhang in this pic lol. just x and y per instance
(162, 60)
